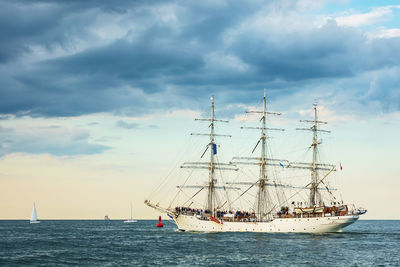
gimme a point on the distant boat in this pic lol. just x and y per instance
(106, 218)
(131, 220)
(34, 218)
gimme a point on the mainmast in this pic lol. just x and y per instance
(213, 151)
(263, 161)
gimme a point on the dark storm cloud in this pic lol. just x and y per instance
(168, 55)
(25, 24)
(328, 51)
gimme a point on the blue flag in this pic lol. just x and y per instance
(280, 163)
(215, 149)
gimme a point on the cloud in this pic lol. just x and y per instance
(384, 33)
(71, 58)
(325, 113)
(186, 113)
(127, 125)
(54, 140)
(375, 15)
(134, 125)
(384, 89)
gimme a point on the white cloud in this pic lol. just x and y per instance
(324, 114)
(247, 117)
(360, 19)
(30, 136)
(185, 113)
(384, 33)
(225, 61)
(176, 113)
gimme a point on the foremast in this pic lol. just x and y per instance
(314, 174)
(212, 165)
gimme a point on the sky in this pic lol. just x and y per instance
(98, 97)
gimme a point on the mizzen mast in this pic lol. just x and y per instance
(315, 196)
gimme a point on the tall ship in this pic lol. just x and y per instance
(258, 202)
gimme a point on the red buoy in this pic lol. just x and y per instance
(159, 222)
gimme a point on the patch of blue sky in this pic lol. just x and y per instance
(335, 9)
(362, 6)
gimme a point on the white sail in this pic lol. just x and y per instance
(34, 217)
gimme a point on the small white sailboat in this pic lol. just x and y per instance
(34, 218)
(131, 220)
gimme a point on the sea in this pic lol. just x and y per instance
(115, 243)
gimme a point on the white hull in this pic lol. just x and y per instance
(34, 221)
(130, 221)
(279, 225)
